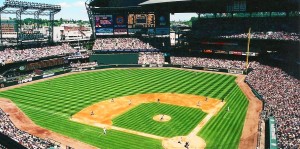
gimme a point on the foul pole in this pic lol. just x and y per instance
(248, 50)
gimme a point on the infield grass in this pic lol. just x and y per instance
(183, 119)
(50, 103)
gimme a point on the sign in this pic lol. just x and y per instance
(235, 71)
(141, 21)
(120, 31)
(235, 52)
(207, 51)
(162, 20)
(273, 138)
(104, 31)
(162, 31)
(134, 31)
(221, 52)
(151, 31)
(103, 21)
(120, 21)
(120, 26)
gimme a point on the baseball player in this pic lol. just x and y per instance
(162, 117)
(198, 104)
(92, 113)
(180, 140)
(129, 102)
(104, 131)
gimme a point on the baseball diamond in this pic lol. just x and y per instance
(149, 74)
(51, 103)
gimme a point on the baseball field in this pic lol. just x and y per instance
(192, 102)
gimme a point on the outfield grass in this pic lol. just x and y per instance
(50, 103)
(228, 123)
(183, 119)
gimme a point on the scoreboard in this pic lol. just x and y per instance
(132, 23)
(141, 21)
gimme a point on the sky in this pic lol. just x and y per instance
(75, 9)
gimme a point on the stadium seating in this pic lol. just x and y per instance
(151, 58)
(276, 28)
(281, 94)
(10, 55)
(122, 44)
(208, 62)
(24, 138)
(83, 65)
(266, 35)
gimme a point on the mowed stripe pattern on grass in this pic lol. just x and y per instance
(228, 124)
(183, 119)
(50, 103)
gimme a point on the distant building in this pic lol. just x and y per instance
(71, 32)
(8, 29)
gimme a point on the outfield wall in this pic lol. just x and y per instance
(124, 58)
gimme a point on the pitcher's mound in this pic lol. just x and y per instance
(194, 142)
(162, 118)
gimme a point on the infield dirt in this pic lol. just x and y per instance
(105, 111)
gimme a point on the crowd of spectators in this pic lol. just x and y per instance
(10, 55)
(84, 65)
(122, 44)
(208, 62)
(266, 35)
(281, 95)
(151, 58)
(24, 138)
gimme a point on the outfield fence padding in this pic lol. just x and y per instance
(124, 58)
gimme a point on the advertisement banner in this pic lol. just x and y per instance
(162, 31)
(104, 31)
(235, 71)
(120, 31)
(120, 21)
(221, 52)
(103, 21)
(120, 26)
(162, 20)
(207, 51)
(136, 31)
(235, 52)
(151, 31)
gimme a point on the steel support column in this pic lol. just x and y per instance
(19, 24)
(51, 19)
(91, 18)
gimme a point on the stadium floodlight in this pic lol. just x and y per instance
(22, 7)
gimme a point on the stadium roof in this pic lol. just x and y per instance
(201, 6)
(160, 1)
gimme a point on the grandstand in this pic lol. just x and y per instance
(56, 83)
